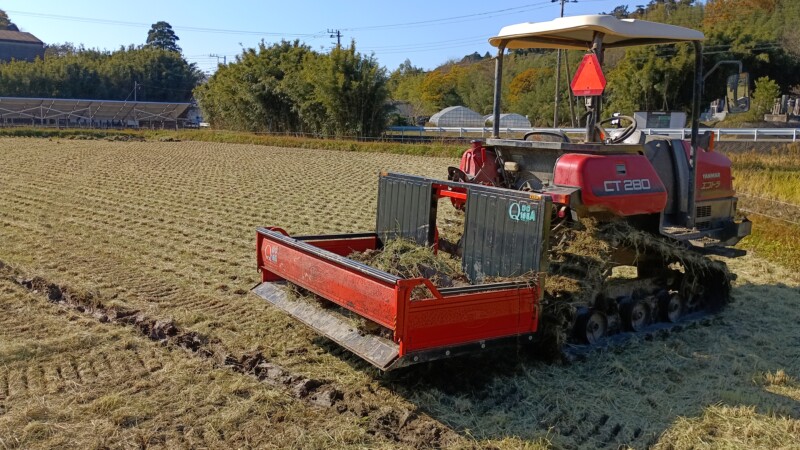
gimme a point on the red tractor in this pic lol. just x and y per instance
(682, 188)
(521, 198)
(678, 190)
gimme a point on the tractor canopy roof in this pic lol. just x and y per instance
(577, 32)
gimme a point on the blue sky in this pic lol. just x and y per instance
(426, 32)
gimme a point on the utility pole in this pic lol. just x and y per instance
(569, 91)
(558, 65)
(224, 58)
(338, 35)
(135, 90)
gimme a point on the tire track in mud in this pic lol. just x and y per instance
(398, 425)
(3, 391)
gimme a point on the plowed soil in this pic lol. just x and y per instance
(126, 321)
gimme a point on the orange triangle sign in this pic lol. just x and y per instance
(589, 79)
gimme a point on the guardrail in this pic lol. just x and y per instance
(754, 134)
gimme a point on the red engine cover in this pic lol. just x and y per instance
(714, 178)
(624, 185)
(480, 163)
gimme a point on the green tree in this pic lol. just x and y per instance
(531, 94)
(352, 90)
(764, 95)
(438, 89)
(648, 78)
(70, 72)
(162, 36)
(404, 85)
(475, 87)
(5, 23)
(263, 90)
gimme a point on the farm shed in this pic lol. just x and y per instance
(510, 120)
(20, 46)
(457, 116)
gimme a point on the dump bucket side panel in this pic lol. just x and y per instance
(359, 289)
(343, 245)
(469, 318)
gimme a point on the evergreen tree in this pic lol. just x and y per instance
(5, 23)
(161, 36)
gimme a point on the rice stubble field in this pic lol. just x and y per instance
(127, 321)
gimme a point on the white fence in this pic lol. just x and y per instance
(749, 134)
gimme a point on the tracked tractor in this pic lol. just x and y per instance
(674, 189)
(656, 205)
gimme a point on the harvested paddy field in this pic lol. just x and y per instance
(126, 320)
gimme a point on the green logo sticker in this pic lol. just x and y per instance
(521, 212)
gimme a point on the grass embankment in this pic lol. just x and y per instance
(433, 148)
(768, 184)
(772, 174)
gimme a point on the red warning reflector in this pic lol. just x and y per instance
(589, 79)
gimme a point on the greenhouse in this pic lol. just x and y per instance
(457, 116)
(510, 120)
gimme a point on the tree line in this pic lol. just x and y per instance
(287, 86)
(69, 72)
(763, 34)
(157, 71)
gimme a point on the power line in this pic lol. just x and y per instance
(469, 40)
(336, 34)
(422, 47)
(412, 48)
(426, 49)
(452, 19)
(445, 19)
(141, 24)
(224, 58)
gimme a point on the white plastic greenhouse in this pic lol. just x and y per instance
(457, 116)
(510, 120)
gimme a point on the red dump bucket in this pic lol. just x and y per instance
(453, 321)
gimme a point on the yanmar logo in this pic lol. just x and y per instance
(711, 176)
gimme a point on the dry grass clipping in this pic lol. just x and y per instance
(723, 426)
(406, 259)
(126, 219)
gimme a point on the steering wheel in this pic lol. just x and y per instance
(561, 136)
(626, 132)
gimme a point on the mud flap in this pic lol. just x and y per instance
(378, 351)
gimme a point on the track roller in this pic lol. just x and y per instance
(672, 307)
(636, 314)
(591, 325)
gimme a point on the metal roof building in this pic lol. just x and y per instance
(89, 113)
(20, 46)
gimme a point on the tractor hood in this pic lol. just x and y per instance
(577, 32)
